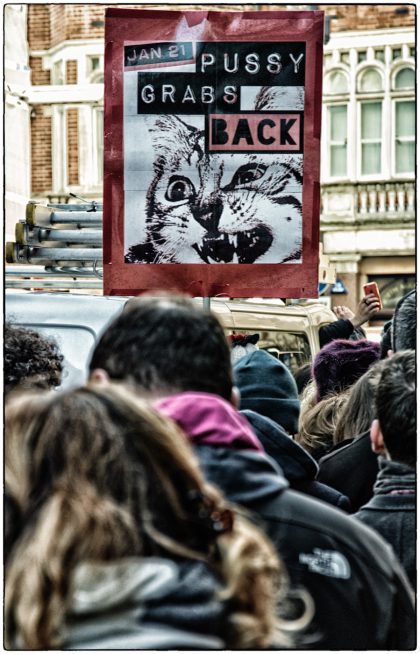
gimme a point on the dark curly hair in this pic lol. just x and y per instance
(30, 360)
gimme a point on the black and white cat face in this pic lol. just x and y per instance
(221, 208)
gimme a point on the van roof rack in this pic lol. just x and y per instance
(57, 246)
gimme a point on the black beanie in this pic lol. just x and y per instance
(267, 387)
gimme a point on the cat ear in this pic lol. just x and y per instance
(280, 98)
(169, 133)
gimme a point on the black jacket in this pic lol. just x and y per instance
(361, 594)
(352, 470)
(392, 511)
(341, 328)
(299, 468)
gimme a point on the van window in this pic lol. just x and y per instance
(292, 349)
(75, 344)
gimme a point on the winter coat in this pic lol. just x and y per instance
(351, 469)
(392, 511)
(361, 594)
(299, 468)
(149, 603)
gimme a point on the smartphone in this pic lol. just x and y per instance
(372, 287)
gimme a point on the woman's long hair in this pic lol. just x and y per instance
(97, 474)
(359, 411)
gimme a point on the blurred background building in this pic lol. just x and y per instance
(54, 73)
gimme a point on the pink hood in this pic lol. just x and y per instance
(209, 420)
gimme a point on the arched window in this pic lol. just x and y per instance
(337, 83)
(404, 79)
(370, 81)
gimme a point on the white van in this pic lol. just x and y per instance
(291, 333)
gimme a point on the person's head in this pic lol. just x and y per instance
(340, 363)
(359, 410)
(166, 345)
(30, 359)
(268, 387)
(404, 323)
(97, 475)
(393, 432)
(386, 343)
(318, 422)
(303, 376)
(242, 344)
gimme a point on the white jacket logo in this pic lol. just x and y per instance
(327, 562)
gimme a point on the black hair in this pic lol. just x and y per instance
(396, 406)
(404, 323)
(166, 344)
(386, 342)
(303, 376)
(30, 359)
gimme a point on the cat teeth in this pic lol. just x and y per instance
(232, 240)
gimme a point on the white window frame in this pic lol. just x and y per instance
(405, 175)
(364, 99)
(329, 142)
(97, 165)
(59, 149)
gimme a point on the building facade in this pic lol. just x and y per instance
(368, 149)
(54, 61)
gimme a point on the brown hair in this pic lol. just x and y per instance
(83, 468)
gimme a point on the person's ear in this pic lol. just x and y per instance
(99, 376)
(235, 397)
(376, 438)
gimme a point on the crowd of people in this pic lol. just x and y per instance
(195, 494)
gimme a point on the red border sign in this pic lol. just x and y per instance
(257, 144)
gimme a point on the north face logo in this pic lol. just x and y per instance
(327, 562)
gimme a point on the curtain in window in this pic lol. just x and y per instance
(371, 128)
(405, 79)
(404, 137)
(338, 141)
(370, 81)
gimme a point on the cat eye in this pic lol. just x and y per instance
(246, 174)
(179, 189)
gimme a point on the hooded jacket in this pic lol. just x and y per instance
(150, 603)
(270, 402)
(299, 468)
(392, 511)
(361, 594)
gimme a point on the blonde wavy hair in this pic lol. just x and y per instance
(318, 420)
(83, 468)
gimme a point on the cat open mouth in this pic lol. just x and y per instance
(241, 247)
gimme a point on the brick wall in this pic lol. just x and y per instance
(41, 164)
(369, 17)
(39, 26)
(71, 72)
(73, 146)
(38, 75)
(50, 24)
(85, 21)
(58, 23)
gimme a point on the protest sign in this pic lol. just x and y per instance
(212, 130)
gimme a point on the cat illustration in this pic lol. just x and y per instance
(219, 208)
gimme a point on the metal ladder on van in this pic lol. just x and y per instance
(57, 246)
